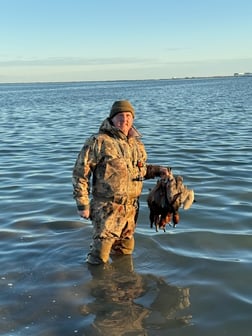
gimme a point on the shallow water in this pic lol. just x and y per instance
(190, 280)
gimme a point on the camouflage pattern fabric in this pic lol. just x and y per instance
(110, 170)
(117, 165)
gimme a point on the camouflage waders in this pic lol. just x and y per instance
(114, 226)
(110, 170)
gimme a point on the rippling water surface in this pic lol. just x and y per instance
(191, 280)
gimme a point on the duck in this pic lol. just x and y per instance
(166, 198)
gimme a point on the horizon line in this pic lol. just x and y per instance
(246, 74)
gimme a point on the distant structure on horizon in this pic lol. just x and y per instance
(242, 74)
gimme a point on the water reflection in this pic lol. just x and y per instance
(128, 303)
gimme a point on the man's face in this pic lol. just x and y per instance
(123, 121)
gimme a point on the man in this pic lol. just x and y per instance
(112, 166)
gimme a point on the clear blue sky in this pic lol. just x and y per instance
(75, 40)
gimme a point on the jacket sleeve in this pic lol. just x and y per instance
(82, 171)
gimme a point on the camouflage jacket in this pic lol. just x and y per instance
(111, 166)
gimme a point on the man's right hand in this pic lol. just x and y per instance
(84, 213)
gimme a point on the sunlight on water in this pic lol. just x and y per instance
(190, 280)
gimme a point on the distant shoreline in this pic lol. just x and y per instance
(236, 74)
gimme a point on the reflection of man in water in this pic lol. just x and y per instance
(126, 302)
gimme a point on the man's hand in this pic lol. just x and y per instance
(165, 172)
(84, 213)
